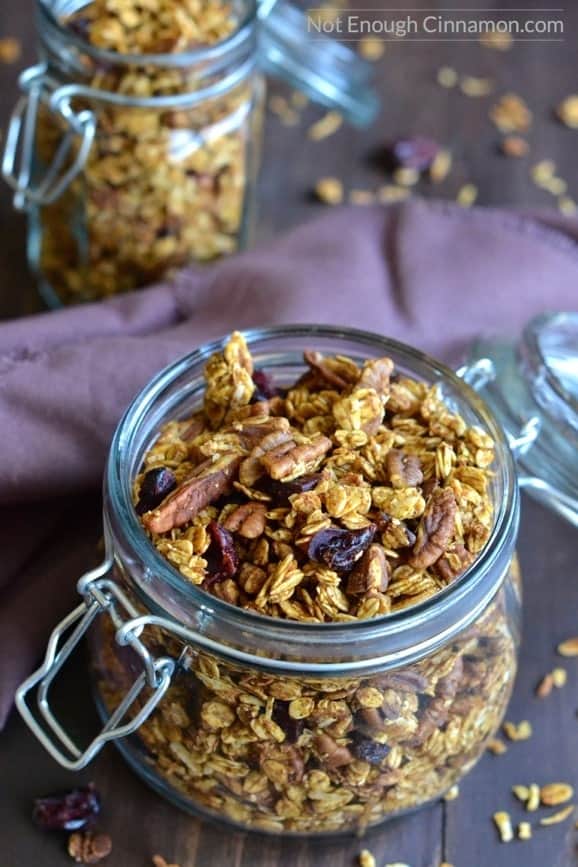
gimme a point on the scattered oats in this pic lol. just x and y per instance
(371, 48)
(567, 206)
(511, 114)
(559, 677)
(10, 49)
(289, 118)
(568, 647)
(524, 831)
(441, 166)
(560, 816)
(361, 197)
(366, 859)
(545, 686)
(543, 172)
(452, 793)
(279, 106)
(520, 732)
(326, 126)
(446, 864)
(514, 146)
(467, 195)
(471, 86)
(329, 191)
(447, 76)
(497, 747)
(522, 793)
(497, 40)
(567, 111)
(299, 99)
(533, 801)
(406, 177)
(554, 794)
(556, 186)
(396, 864)
(392, 193)
(503, 823)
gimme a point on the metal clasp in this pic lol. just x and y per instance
(18, 160)
(101, 595)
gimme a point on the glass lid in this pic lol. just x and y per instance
(327, 71)
(532, 388)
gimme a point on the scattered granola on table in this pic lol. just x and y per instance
(86, 847)
(349, 494)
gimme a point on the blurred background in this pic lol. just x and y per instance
(520, 152)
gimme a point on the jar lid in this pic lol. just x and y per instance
(532, 389)
(324, 69)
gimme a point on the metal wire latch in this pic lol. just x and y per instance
(79, 128)
(100, 596)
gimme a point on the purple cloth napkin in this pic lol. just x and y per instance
(430, 274)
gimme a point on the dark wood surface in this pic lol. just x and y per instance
(459, 832)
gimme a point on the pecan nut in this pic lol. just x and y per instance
(404, 471)
(371, 575)
(209, 481)
(88, 848)
(435, 529)
(334, 755)
(289, 461)
(247, 520)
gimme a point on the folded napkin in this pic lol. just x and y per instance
(430, 274)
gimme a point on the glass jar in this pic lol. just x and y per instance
(282, 726)
(132, 165)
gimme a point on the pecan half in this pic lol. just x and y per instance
(247, 520)
(252, 469)
(320, 365)
(286, 461)
(404, 470)
(376, 374)
(209, 481)
(330, 752)
(372, 573)
(435, 529)
(455, 561)
(88, 848)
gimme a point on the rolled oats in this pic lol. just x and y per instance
(447, 77)
(503, 823)
(524, 831)
(569, 647)
(157, 189)
(558, 817)
(329, 191)
(554, 794)
(337, 507)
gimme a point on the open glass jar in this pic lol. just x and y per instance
(274, 725)
(136, 145)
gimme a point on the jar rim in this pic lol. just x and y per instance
(200, 55)
(467, 596)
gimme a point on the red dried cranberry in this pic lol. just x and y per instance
(264, 388)
(67, 811)
(221, 555)
(368, 750)
(156, 485)
(340, 549)
(293, 728)
(281, 491)
(413, 153)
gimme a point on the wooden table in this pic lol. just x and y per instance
(460, 832)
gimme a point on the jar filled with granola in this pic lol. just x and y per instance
(135, 147)
(308, 618)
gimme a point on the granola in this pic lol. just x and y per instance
(161, 186)
(345, 494)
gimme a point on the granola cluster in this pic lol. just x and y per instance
(347, 495)
(161, 186)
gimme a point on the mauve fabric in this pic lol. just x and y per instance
(430, 274)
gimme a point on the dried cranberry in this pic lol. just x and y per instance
(368, 750)
(340, 549)
(221, 555)
(155, 486)
(67, 811)
(281, 491)
(293, 728)
(264, 388)
(413, 153)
